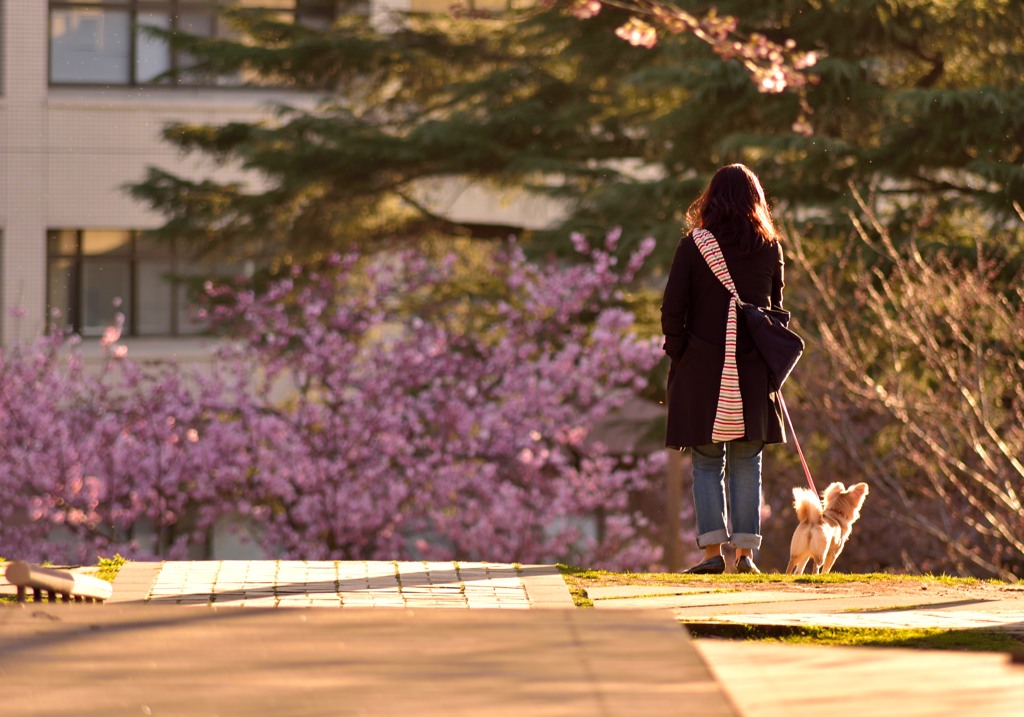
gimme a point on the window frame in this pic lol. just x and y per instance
(134, 257)
(174, 10)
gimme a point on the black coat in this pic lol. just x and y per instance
(693, 319)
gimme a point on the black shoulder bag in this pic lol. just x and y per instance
(779, 346)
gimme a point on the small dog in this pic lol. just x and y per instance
(825, 525)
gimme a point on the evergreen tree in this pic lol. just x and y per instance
(918, 99)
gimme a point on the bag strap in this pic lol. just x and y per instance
(712, 253)
(728, 423)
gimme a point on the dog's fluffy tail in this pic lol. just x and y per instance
(808, 505)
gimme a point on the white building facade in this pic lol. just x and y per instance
(84, 95)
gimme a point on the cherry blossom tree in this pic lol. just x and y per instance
(92, 457)
(412, 432)
(361, 408)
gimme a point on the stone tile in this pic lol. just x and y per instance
(382, 583)
(292, 589)
(166, 590)
(420, 584)
(193, 601)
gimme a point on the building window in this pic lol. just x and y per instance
(102, 42)
(94, 273)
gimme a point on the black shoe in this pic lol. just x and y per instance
(746, 565)
(711, 566)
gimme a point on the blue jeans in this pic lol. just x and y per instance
(743, 461)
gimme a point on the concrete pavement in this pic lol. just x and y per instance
(329, 583)
(780, 680)
(825, 606)
(163, 660)
(172, 642)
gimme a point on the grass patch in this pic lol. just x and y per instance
(903, 590)
(604, 578)
(571, 571)
(5, 598)
(110, 567)
(576, 579)
(925, 639)
(580, 597)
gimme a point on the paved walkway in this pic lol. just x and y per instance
(120, 660)
(821, 607)
(627, 657)
(777, 680)
(328, 583)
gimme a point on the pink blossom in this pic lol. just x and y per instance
(805, 60)
(638, 33)
(110, 336)
(611, 240)
(579, 242)
(773, 81)
(586, 9)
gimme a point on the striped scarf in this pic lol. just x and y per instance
(729, 414)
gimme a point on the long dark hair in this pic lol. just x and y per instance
(734, 206)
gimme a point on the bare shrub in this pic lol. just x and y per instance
(916, 384)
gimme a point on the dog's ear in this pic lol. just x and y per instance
(858, 492)
(833, 490)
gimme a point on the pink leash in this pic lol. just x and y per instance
(803, 462)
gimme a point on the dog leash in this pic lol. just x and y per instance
(803, 462)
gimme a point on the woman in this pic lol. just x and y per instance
(694, 317)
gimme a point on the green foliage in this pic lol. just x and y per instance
(921, 99)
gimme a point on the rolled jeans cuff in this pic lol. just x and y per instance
(746, 541)
(715, 537)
